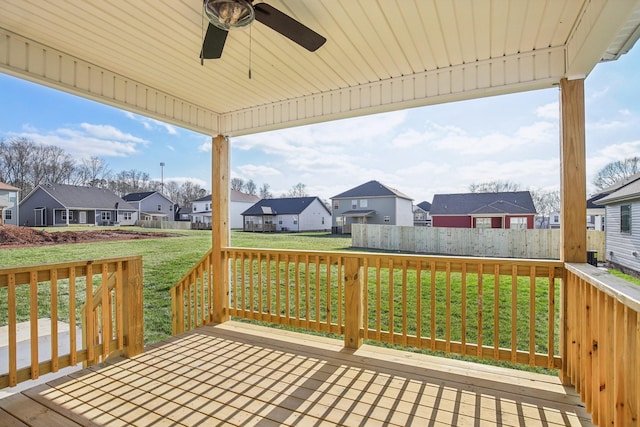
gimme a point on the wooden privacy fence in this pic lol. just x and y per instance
(505, 243)
(603, 344)
(104, 296)
(501, 309)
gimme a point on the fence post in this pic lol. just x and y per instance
(352, 303)
(132, 307)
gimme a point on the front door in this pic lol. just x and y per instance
(82, 217)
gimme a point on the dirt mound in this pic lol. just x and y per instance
(12, 236)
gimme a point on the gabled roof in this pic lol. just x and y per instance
(8, 187)
(77, 197)
(283, 206)
(138, 197)
(630, 191)
(425, 206)
(371, 189)
(234, 196)
(516, 202)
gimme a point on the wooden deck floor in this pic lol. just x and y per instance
(238, 374)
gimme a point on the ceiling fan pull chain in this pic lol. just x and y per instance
(250, 39)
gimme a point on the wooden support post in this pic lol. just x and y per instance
(132, 308)
(573, 181)
(219, 226)
(352, 303)
(573, 195)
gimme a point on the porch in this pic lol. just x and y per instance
(241, 374)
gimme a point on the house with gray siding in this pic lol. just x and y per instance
(9, 202)
(152, 206)
(63, 205)
(622, 226)
(371, 203)
(292, 214)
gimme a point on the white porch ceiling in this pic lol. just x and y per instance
(380, 55)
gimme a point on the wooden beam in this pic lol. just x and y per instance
(353, 303)
(573, 181)
(219, 225)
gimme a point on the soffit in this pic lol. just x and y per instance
(383, 55)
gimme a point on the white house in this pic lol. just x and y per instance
(288, 214)
(238, 203)
(622, 229)
(9, 202)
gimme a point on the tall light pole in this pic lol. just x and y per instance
(162, 177)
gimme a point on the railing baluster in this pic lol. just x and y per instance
(514, 313)
(404, 302)
(317, 258)
(390, 302)
(532, 315)
(448, 308)
(53, 278)
(418, 302)
(106, 312)
(73, 339)
(480, 309)
(33, 307)
(496, 312)
(119, 307)
(463, 287)
(433, 306)
(13, 326)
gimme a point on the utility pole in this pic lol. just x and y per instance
(162, 177)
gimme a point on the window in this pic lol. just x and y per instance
(625, 219)
(519, 223)
(336, 204)
(8, 214)
(323, 220)
(387, 218)
(194, 208)
(363, 203)
(483, 222)
(295, 221)
(159, 207)
(127, 216)
(280, 221)
(64, 216)
(556, 218)
(354, 204)
(105, 215)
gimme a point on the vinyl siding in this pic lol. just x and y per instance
(620, 247)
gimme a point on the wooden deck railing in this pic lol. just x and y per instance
(104, 296)
(603, 344)
(501, 309)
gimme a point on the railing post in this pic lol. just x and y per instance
(352, 303)
(132, 307)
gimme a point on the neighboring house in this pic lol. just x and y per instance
(287, 214)
(61, 204)
(422, 214)
(595, 213)
(182, 213)
(514, 210)
(9, 203)
(152, 206)
(554, 220)
(622, 229)
(238, 203)
(371, 203)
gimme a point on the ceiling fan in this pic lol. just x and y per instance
(225, 15)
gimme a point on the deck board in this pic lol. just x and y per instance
(239, 374)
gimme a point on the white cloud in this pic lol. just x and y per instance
(152, 124)
(620, 151)
(251, 171)
(171, 147)
(206, 146)
(549, 111)
(106, 132)
(182, 179)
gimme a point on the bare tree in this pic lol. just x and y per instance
(496, 186)
(16, 163)
(93, 172)
(264, 192)
(298, 190)
(250, 187)
(616, 171)
(237, 184)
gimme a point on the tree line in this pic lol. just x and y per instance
(25, 164)
(264, 192)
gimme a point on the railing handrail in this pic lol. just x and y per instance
(622, 290)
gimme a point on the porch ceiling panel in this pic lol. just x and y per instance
(143, 55)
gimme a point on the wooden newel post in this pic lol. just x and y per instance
(220, 237)
(352, 303)
(132, 308)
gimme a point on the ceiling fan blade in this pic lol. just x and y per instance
(288, 27)
(213, 43)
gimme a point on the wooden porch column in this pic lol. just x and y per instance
(573, 181)
(573, 197)
(352, 303)
(219, 225)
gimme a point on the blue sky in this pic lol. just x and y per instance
(421, 152)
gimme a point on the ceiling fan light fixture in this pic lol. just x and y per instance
(229, 14)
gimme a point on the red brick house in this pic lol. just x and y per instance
(514, 210)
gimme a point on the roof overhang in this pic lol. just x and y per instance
(358, 213)
(143, 56)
